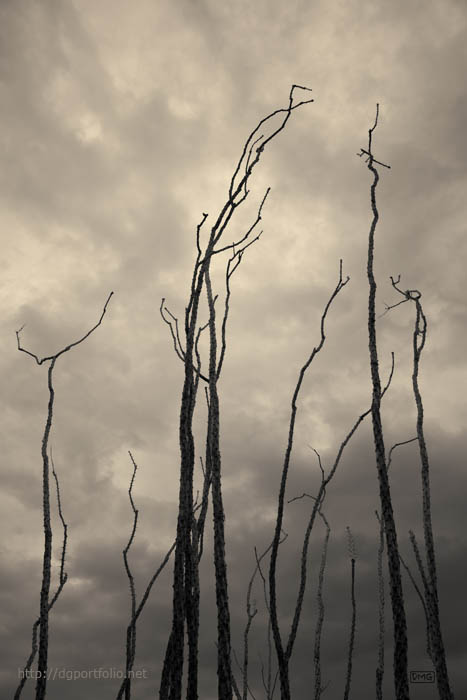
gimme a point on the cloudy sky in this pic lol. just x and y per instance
(120, 124)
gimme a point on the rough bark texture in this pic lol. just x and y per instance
(224, 671)
(45, 604)
(284, 655)
(183, 584)
(380, 667)
(397, 599)
(189, 540)
(431, 589)
(41, 683)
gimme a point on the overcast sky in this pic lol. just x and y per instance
(120, 124)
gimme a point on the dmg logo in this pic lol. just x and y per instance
(422, 676)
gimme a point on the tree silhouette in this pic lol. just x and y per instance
(430, 580)
(45, 603)
(185, 606)
(205, 367)
(397, 597)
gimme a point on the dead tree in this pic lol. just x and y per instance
(251, 612)
(41, 683)
(401, 680)
(125, 687)
(63, 576)
(319, 688)
(284, 653)
(430, 580)
(381, 604)
(418, 591)
(185, 607)
(381, 600)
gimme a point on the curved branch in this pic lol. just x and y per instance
(284, 655)
(68, 347)
(41, 683)
(125, 687)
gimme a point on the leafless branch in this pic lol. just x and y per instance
(232, 246)
(125, 687)
(397, 444)
(318, 501)
(198, 231)
(68, 347)
(131, 630)
(430, 581)
(401, 679)
(319, 598)
(232, 265)
(269, 684)
(175, 334)
(422, 601)
(283, 655)
(234, 189)
(363, 151)
(352, 555)
(41, 682)
(184, 567)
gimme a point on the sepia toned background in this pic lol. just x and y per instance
(121, 123)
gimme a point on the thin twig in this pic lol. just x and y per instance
(320, 621)
(422, 601)
(68, 347)
(283, 655)
(352, 554)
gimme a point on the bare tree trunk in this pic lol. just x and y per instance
(397, 598)
(437, 645)
(224, 671)
(319, 689)
(185, 597)
(418, 591)
(354, 616)
(63, 580)
(430, 581)
(171, 682)
(45, 604)
(41, 682)
(130, 647)
(381, 602)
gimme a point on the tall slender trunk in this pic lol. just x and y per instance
(185, 586)
(397, 599)
(172, 672)
(45, 605)
(284, 654)
(431, 589)
(224, 671)
(41, 683)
